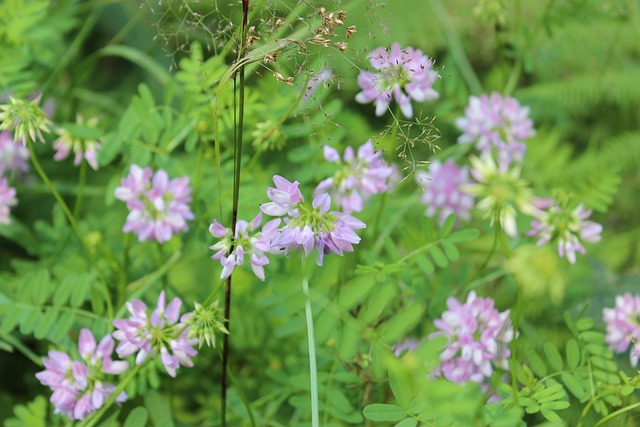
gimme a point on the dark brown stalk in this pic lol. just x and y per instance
(238, 82)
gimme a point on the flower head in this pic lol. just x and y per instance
(570, 228)
(159, 206)
(14, 156)
(307, 228)
(623, 325)
(205, 322)
(403, 74)
(362, 175)
(501, 191)
(478, 337)
(7, 199)
(443, 195)
(244, 243)
(79, 387)
(496, 123)
(161, 332)
(82, 146)
(25, 119)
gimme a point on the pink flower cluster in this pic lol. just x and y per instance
(623, 325)
(496, 123)
(403, 74)
(7, 200)
(79, 387)
(569, 227)
(478, 337)
(362, 175)
(67, 143)
(159, 332)
(307, 228)
(234, 247)
(443, 194)
(159, 206)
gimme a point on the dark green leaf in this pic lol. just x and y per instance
(137, 418)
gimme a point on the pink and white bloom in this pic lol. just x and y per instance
(7, 200)
(80, 387)
(403, 74)
(569, 228)
(246, 242)
(496, 123)
(361, 176)
(159, 206)
(623, 325)
(442, 191)
(478, 338)
(161, 332)
(14, 156)
(68, 142)
(308, 228)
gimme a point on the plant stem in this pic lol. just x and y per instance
(237, 164)
(72, 222)
(313, 368)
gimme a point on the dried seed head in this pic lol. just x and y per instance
(342, 46)
(351, 30)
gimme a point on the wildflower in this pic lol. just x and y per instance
(25, 119)
(569, 227)
(233, 247)
(79, 387)
(360, 177)
(159, 333)
(14, 156)
(159, 206)
(478, 337)
(403, 74)
(7, 199)
(496, 123)
(407, 346)
(310, 228)
(315, 82)
(80, 145)
(501, 190)
(623, 326)
(204, 322)
(443, 195)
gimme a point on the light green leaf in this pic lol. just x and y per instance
(384, 412)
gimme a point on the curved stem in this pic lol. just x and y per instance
(313, 368)
(72, 222)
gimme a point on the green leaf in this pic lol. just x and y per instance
(536, 364)
(448, 225)
(450, 250)
(438, 256)
(407, 422)
(585, 324)
(556, 405)
(384, 412)
(159, 409)
(402, 322)
(355, 291)
(573, 354)
(45, 324)
(550, 415)
(137, 418)
(400, 380)
(425, 264)
(573, 384)
(462, 236)
(553, 356)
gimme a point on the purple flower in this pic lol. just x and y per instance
(7, 199)
(159, 332)
(310, 228)
(234, 247)
(443, 194)
(570, 228)
(159, 206)
(407, 346)
(79, 387)
(14, 156)
(361, 176)
(314, 83)
(623, 327)
(82, 148)
(402, 74)
(496, 123)
(478, 337)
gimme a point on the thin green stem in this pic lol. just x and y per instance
(81, 185)
(455, 46)
(313, 368)
(72, 222)
(95, 417)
